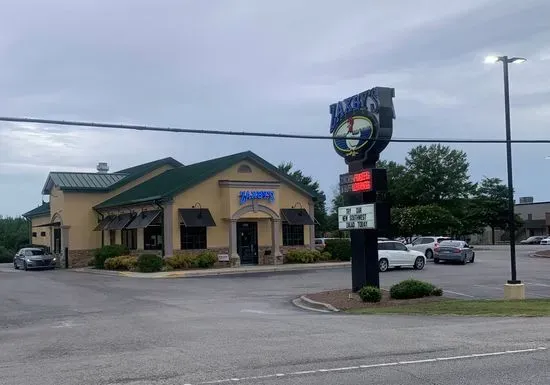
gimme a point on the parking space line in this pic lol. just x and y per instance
(457, 293)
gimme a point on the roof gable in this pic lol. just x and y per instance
(177, 180)
(42, 210)
(95, 181)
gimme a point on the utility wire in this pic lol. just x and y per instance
(244, 133)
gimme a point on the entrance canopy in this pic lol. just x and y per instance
(119, 222)
(52, 224)
(196, 217)
(296, 217)
(104, 222)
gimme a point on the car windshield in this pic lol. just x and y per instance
(35, 252)
(451, 243)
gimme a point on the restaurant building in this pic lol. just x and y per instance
(240, 206)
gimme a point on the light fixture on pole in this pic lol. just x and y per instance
(511, 215)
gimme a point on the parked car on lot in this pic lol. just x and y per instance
(395, 254)
(427, 244)
(320, 243)
(532, 240)
(454, 251)
(33, 258)
(545, 241)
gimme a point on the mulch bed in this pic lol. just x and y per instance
(346, 299)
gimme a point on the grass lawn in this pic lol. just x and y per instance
(487, 308)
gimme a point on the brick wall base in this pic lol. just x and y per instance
(80, 258)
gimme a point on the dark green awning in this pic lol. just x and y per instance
(196, 217)
(296, 217)
(104, 222)
(143, 219)
(120, 222)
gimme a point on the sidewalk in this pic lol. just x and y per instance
(218, 271)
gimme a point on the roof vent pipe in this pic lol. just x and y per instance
(102, 167)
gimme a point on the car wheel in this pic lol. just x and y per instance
(383, 264)
(429, 254)
(436, 260)
(463, 260)
(15, 266)
(419, 263)
(25, 266)
(473, 258)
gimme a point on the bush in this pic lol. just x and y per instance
(303, 256)
(203, 260)
(124, 262)
(412, 288)
(149, 263)
(325, 256)
(370, 294)
(339, 249)
(109, 251)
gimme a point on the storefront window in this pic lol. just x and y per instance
(152, 238)
(293, 235)
(193, 238)
(112, 237)
(129, 238)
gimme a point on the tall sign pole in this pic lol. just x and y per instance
(362, 127)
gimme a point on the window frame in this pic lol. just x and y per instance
(147, 233)
(191, 239)
(131, 241)
(291, 237)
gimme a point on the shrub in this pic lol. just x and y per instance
(325, 256)
(109, 251)
(370, 294)
(437, 292)
(339, 249)
(149, 263)
(303, 256)
(412, 288)
(203, 260)
(123, 262)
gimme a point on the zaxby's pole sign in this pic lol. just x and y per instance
(362, 126)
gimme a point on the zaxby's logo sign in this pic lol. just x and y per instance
(362, 125)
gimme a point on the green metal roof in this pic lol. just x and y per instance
(89, 181)
(40, 211)
(177, 180)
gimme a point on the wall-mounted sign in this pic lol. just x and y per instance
(223, 257)
(362, 124)
(360, 217)
(245, 196)
(356, 182)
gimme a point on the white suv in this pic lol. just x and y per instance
(427, 244)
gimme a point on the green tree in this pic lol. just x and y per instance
(438, 175)
(425, 219)
(398, 182)
(320, 211)
(14, 233)
(491, 201)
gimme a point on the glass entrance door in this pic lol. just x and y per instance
(247, 242)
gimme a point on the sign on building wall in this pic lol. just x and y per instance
(245, 196)
(360, 217)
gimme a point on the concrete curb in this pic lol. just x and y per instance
(213, 272)
(535, 255)
(326, 305)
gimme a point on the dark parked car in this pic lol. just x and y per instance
(33, 258)
(454, 251)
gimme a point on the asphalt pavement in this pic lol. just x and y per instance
(62, 327)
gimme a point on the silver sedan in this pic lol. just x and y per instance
(33, 258)
(454, 251)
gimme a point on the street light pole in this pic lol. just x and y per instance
(511, 203)
(511, 215)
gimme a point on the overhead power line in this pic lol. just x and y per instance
(244, 133)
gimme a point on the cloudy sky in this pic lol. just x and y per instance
(253, 65)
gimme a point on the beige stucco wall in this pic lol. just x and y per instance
(223, 202)
(537, 210)
(39, 239)
(77, 211)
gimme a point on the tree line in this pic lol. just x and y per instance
(430, 193)
(14, 234)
